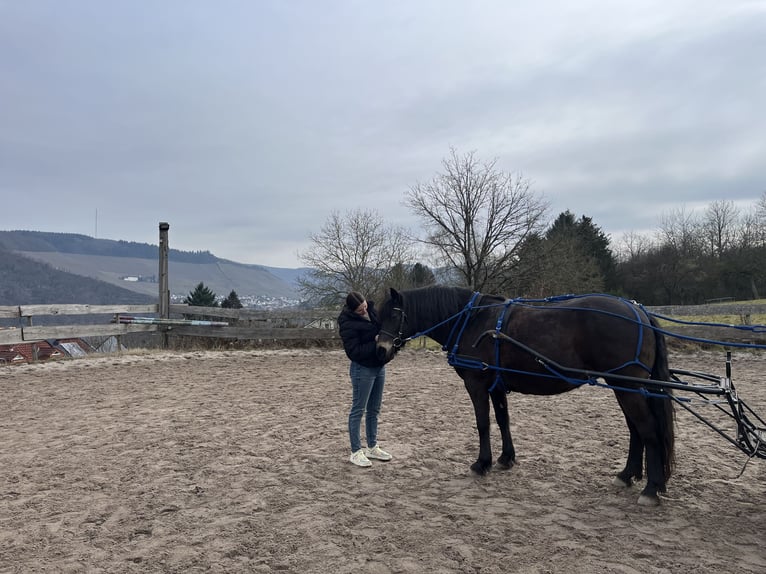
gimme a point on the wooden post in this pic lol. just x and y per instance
(164, 306)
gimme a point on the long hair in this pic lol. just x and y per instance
(663, 409)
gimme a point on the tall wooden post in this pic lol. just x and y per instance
(164, 306)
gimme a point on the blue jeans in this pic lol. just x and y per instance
(367, 384)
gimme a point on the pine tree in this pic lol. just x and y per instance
(201, 296)
(232, 301)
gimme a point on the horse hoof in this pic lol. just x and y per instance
(647, 500)
(617, 481)
(505, 463)
(479, 469)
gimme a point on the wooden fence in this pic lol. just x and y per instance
(119, 320)
(278, 325)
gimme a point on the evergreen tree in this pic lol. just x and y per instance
(582, 251)
(572, 256)
(421, 276)
(410, 276)
(232, 301)
(201, 296)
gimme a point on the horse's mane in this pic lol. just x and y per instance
(435, 301)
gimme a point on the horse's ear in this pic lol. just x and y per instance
(395, 296)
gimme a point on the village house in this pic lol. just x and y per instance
(52, 349)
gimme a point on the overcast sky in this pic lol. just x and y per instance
(244, 124)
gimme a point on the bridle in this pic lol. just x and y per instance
(398, 340)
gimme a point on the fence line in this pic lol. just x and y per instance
(246, 324)
(277, 325)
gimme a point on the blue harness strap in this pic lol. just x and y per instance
(499, 329)
(465, 315)
(453, 341)
(453, 358)
(639, 341)
(456, 360)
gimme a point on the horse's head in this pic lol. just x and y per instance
(393, 322)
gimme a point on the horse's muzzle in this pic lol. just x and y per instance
(386, 351)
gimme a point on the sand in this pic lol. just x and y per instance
(237, 461)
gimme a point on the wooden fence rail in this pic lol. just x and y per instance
(27, 331)
(306, 325)
(109, 320)
(250, 324)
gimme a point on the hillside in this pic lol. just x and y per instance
(24, 281)
(125, 266)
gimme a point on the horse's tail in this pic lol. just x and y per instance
(663, 408)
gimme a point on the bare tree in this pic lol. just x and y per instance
(750, 232)
(476, 218)
(633, 245)
(760, 206)
(681, 231)
(759, 220)
(356, 251)
(720, 225)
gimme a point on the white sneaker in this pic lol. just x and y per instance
(377, 453)
(359, 459)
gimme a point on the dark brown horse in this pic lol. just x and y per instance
(546, 347)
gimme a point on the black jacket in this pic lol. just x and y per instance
(358, 335)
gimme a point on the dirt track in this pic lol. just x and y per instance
(237, 462)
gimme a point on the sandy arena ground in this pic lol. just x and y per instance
(237, 461)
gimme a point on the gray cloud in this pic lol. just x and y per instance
(245, 124)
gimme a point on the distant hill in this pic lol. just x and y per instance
(126, 266)
(24, 281)
(43, 241)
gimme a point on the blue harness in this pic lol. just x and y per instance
(462, 361)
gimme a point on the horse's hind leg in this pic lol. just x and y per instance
(634, 467)
(500, 405)
(644, 432)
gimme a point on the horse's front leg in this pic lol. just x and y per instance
(477, 390)
(500, 404)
